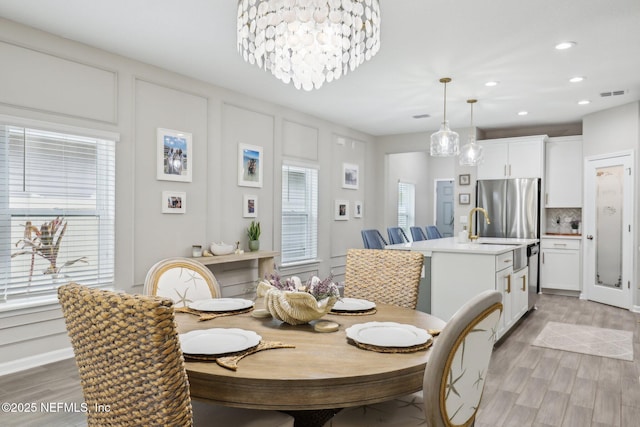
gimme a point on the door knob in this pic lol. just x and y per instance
(590, 237)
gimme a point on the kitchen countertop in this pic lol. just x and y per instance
(484, 245)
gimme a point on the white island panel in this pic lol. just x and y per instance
(458, 277)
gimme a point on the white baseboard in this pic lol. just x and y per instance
(35, 361)
(635, 308)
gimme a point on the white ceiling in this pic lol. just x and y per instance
(471, 41)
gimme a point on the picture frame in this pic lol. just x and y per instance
(350, 176)
(174, 155)
(250, 165)
(357, 209)
(341, 210)
(174, 202)
(250, 206)
(464, 198)
(464, 179)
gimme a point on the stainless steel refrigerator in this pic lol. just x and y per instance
(513, 206)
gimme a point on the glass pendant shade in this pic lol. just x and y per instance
(472, 154)
(445, 142)
(308, 42)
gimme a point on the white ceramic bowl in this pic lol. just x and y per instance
(221, 248)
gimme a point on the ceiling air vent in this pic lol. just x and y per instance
(613, 93)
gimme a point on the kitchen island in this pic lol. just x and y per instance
(455, 272)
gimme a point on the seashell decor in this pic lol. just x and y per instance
(293, 307)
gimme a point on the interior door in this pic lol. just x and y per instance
(608, 240)
(445, 207)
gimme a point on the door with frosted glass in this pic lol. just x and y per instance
(445, 207)
(607, 233)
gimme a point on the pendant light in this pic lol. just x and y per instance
(471, 153)
(445, 142)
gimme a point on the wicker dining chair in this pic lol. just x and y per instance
(182, 279)
(384, 276)
(454, 377)
(129, 358)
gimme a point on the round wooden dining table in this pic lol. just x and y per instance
(324, 370)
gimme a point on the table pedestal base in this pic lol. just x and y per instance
(312, 418)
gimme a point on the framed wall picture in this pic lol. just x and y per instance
(250, 164)
(357, 209)
(174, 155)
(341, 210)
(350, 176)
(250, 206)
(464, 179)
(174, 202)
(464, 198)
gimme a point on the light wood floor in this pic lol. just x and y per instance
(526, 385)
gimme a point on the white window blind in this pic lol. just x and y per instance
(406, 206)
(57, 196)
(299, 213)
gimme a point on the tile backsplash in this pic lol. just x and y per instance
(558, 219)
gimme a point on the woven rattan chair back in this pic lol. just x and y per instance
(384, 276)
(183, 280)
(128, 354)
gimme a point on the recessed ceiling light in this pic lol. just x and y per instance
(565, 45)
(491, 83)
(584, 102)
(576, 79)
(523, 113)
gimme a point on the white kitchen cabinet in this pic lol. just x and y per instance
(512, 158)
(520, 289)
(563, 169)
(560, 264)
(504, 279)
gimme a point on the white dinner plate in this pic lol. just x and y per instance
(218, 341)
(388, 334)
(353, 304)
(221, 304)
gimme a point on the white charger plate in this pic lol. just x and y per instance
(353, 304)
(221, 304)
(218, 341)
(388, 334)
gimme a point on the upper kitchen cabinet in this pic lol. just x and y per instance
(563, 172)
(521, 157)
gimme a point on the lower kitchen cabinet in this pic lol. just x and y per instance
(560, 264)
(515, 294)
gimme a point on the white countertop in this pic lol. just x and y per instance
(484, 245)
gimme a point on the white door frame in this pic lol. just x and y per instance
(588, 229)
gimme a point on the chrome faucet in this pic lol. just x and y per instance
(472, 236)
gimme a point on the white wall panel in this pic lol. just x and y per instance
(40, 81)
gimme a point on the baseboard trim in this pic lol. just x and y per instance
(35, 361)
(635, 308)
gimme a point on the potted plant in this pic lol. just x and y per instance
(575, 224)
(254, 235)
(45, 243)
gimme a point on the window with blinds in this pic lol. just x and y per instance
(299, 214)
(406, 205)
(57, 196)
